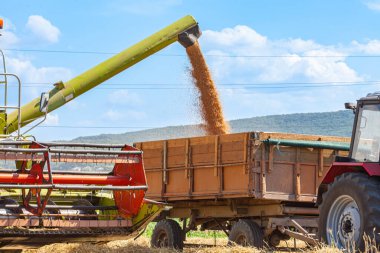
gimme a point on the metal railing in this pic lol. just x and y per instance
(6, 106)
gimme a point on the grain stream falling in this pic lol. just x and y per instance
(209, 102)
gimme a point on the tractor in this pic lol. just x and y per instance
(349, 196)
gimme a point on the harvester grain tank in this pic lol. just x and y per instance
(44, 196)
(349, 196)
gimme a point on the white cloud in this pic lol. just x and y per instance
(245, 41)
(37, 74)
(25, 69)
(373, 5)
(113, 115)
(136, 115)
(29, 73)
(43, 28)
(257, 103)
(239, 35)
(302, 64)
(124, 97)
(51, 119)
(299, 45)
(371, 47)
(8, 37)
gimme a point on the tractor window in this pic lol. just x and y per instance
(366, 146)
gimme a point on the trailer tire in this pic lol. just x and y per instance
(351, 204)
(246, 232)
(167, 234)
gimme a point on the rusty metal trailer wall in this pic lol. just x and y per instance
(236, 166)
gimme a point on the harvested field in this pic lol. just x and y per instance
(209, 102)
(196, 242)
(194, 245)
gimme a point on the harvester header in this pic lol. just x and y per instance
(184, 30)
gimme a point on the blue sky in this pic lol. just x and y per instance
(315, 45)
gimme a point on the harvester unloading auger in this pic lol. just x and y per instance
(44, 196)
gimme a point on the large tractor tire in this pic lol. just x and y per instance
(167, 234)
(246, 232)
(350, 209)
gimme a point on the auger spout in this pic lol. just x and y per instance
(184, 30)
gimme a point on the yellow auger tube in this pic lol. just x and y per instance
(185, 30)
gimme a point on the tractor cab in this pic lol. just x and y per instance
(365, 142)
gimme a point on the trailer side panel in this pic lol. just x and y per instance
(238, 166)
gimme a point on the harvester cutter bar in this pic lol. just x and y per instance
(68, 207)
(63, 232)
(70, 151)
(76, 222)
(17, 180)
(62, 144)
(70, 155)
(23, 217)
(68, 158)
(75, 187)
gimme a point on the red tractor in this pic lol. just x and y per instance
(349, 196)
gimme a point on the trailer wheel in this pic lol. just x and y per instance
(246, 232)
(167, 234)
(350, 209)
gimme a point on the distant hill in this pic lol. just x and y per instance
(325, 123)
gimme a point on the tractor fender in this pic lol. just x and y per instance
(338, 168)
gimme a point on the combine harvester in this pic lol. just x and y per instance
(42, 198)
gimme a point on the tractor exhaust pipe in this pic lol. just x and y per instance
(190, 36)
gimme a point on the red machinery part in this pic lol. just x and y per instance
(16, 178)
(129, 203)
(338, 168)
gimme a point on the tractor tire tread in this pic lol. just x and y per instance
(369, 188)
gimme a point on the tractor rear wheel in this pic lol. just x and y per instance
(246, 232)
(350, 210)
(167, 234)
